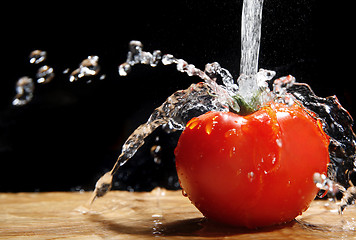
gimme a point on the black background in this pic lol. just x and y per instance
(71, 133)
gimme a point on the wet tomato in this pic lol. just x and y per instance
(255, 170)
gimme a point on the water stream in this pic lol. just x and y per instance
(250, 36)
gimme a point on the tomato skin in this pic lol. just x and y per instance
(254, 170)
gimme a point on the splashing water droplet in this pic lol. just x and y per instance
(214, 70)
(181, 65)
(88, 67)
(24, 91)
(102, 77)
(156, 57)
(37, 56)
(45, 74)
(135, 47)
(124, 69)
(168, 59)
(156, 153)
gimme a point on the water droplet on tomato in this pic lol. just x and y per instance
(279, 142)
(215, 118)
(184, 193)
(209, 127)
(192, 123)
(251, 176)
(231, 132)
(232, 151)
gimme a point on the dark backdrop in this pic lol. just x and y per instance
(71, 133)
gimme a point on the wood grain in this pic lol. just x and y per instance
(157, 214)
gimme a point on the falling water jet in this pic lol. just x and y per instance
(253, 90)
(250, 36)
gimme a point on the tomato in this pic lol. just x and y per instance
(255, 170)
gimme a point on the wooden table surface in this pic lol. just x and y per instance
(158, 214)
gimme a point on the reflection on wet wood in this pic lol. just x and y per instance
(160, 213)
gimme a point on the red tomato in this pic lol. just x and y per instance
(254, 170)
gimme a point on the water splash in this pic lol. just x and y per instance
(174, 113)
(337, 124)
